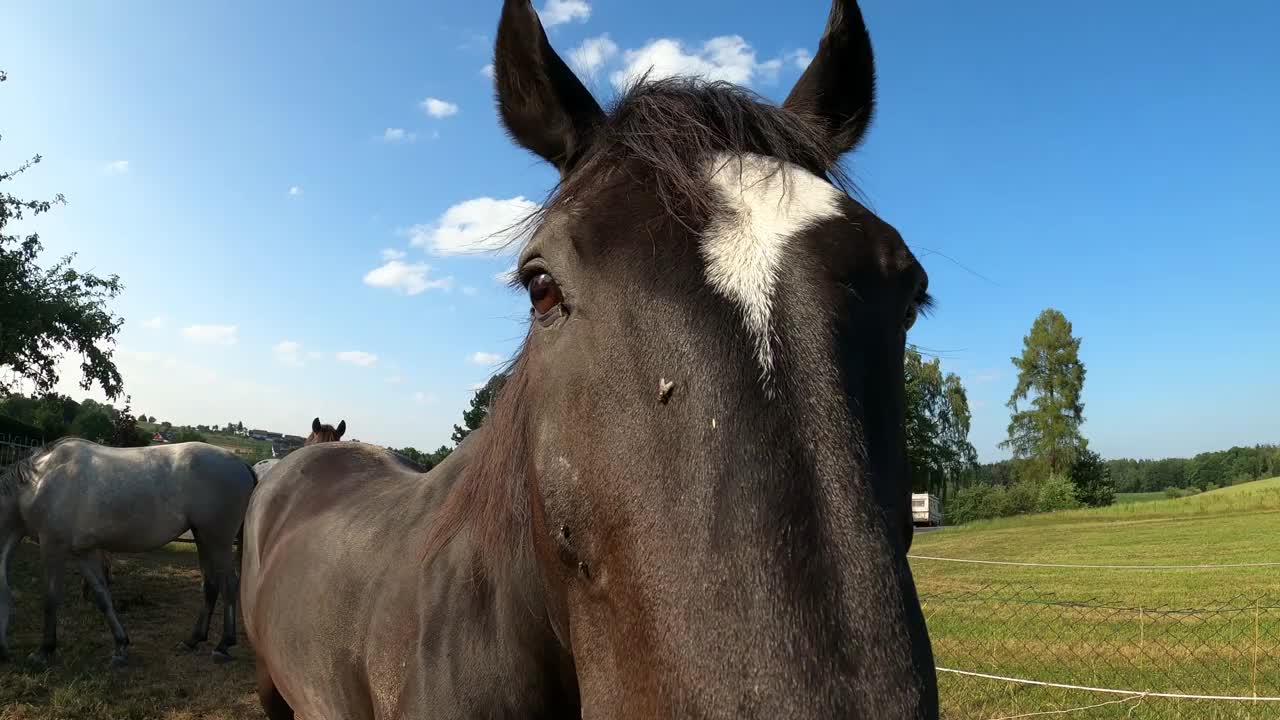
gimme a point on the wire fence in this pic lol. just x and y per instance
(14, 448)
(1005, 651)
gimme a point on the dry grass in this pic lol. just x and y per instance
(158, 596)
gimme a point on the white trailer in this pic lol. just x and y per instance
(926, 509)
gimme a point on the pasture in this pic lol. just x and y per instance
(157, 595)
(1210, 631)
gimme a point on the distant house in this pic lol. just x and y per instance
(158, 439)
(264, 435)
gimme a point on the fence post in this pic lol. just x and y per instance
(1256, 613)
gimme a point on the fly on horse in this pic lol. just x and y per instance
(80, 499)
(691, 498)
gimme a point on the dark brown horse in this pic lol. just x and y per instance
(690, 500)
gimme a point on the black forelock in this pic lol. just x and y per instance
(670, 128)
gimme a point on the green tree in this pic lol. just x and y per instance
(481, 403)
(49, 311)
(1092, 480)
(125, 431)
(937, 426)
(189, 435)
(1045, 434)
(93, 424)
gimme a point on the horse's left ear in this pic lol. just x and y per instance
(315, 425)
(543, 105)
(839, 86)
(342, 429)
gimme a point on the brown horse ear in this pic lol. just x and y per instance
(543, 105)
(839, 86)
(342, 430)
(315, 425)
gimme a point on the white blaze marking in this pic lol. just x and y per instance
(765, 205)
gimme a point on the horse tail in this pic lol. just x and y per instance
(253, 475)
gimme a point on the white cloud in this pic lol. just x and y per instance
(437, 108)
(117, 167)
(314, 355)
(592, 54)
(358, 358)
(800, 58)
(559, 12)
(395, 379)
(487, 71)
(288, 353)
(479, 225)
(211, 334)
(158, 322)
(484, 358)
(468, 290)
(425, 398)
(295, 191)
(728, 58)
(398, 135)
(405, 278)
(392, 254)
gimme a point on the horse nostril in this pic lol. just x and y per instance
(584, 571)
(564, 531)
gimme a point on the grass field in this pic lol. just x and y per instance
(1203, 631)
(1124, 498)
(157, 597)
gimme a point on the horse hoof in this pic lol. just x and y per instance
(221, 657)
(39, 659)
(118, 661)
(5, 657)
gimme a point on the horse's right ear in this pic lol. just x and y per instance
(543, 105)
(315, 425)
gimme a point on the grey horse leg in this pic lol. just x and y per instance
(223, 562)
(200, 632)
(91, 569)
(8, 544)
(54, 558)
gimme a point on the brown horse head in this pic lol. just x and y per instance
(325, 433)
(700, 448)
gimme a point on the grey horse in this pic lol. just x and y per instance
(79, 499)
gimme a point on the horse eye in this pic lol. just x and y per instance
(910, 320)
(544, 293)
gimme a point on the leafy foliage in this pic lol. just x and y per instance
(481, 402)
(1092, 480)
(190, 435)
(937, 426)
(48, 311)
(426, 460)
(1046, 432)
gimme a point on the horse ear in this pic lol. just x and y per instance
(315, 425)
(342, 429)
(543, 105)
(839, 86)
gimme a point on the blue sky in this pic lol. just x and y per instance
(283, 188)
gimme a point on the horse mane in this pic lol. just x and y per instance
(490, 500)
(672, 127)
(19, 474)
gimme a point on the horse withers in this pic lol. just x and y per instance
(691, 498)
(80, 499)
